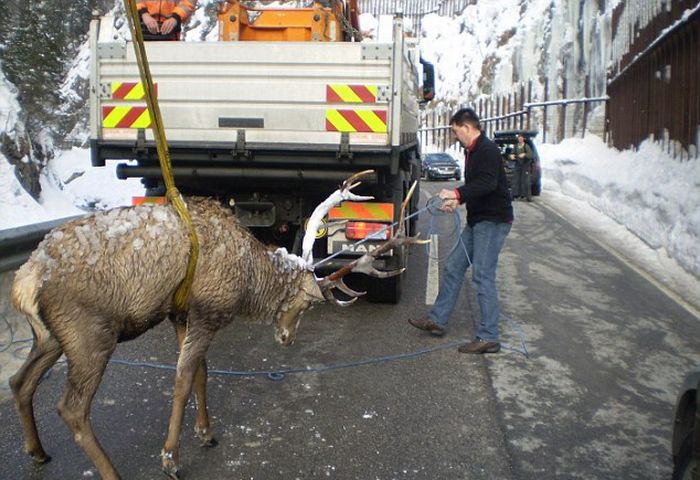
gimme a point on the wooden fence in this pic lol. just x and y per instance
(555, 119)
(654, 85)
(414, 10)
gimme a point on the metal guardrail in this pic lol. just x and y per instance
(17, 244)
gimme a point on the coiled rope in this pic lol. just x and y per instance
(433, 206)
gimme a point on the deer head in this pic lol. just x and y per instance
(363, 264)
(288, 320)
(311, 289)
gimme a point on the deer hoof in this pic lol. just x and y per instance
(209, 443)
(206, 438)
(40, 458)
(169, 466)
(171, 472)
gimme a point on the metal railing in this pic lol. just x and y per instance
(654, 86)
(17, 244)
(554, 119)
(415, 10)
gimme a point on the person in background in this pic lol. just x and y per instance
(521, 174)
(489, 219)
(162, 20)
(165, 17)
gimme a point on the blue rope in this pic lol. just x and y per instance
(281, 373)
(433, 207)
(521, 336)
(5, 347)
(12, 342)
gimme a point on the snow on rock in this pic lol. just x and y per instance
(70, 186)
(9, 106)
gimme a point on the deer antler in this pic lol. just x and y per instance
(314, 223)
(364, 263)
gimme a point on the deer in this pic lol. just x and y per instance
(108, 278)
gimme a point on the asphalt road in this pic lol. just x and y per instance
(594, 400)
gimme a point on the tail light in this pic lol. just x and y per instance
(361, 230)
(151, 200)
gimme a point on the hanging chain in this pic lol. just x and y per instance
(351, 31)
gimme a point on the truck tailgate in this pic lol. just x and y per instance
(277, 92)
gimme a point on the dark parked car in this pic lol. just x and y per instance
(440, 166)
(685, 429)
(506, 141)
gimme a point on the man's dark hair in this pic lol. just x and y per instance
(466, 115)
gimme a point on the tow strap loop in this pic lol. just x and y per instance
(172, 194)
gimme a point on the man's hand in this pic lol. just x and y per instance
(446, 194)
(449, 206)
(449, 200)
(150, 23)
(521, 155)
(168, 26)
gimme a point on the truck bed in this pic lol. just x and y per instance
(261, 96)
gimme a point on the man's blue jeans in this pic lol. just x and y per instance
(483, 242)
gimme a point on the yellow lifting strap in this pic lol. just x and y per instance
(172, 194)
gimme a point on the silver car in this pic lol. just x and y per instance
(440, 166)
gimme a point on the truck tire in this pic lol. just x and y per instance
(415, 176)
(412, 228)
(684, 463)
(387, 290)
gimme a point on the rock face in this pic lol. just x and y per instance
(563, 44)
(18, 152)
(39, 44)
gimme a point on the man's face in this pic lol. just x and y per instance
(464, 133)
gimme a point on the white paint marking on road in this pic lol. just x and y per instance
(433, 280)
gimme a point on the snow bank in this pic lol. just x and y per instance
(654, 196)
(70, 186)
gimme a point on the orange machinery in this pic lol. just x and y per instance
(323, 21)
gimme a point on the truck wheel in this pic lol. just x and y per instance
(413, 208)
(387, 290)
(684, 463)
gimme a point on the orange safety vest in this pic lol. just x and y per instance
(162, 9)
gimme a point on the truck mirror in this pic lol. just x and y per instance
(428, 87)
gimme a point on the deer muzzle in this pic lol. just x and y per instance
(284, 336)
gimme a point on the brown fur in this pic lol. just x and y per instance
(110, 277)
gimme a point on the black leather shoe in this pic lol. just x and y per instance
(425, 323)
(479, 345)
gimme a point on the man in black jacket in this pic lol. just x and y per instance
(489, 219)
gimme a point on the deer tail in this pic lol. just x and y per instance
(25, 297)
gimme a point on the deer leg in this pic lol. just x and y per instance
(194, 347)
(201, 429)
(87, 360)
(44, 353)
